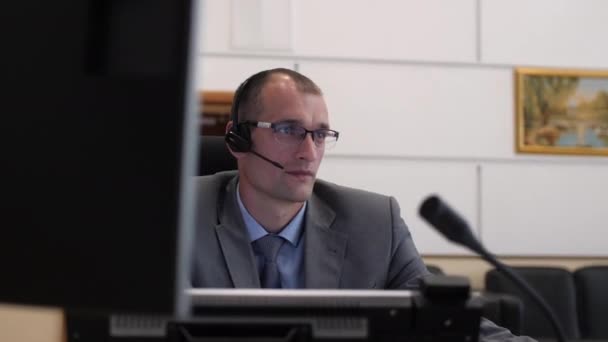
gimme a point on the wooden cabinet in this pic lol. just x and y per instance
(215, 111)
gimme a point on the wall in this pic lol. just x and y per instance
(422, 92)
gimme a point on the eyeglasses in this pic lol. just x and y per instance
(291, 134)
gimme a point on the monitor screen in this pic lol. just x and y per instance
(99, 135)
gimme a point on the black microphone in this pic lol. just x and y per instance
(456, 229)
(274, 163)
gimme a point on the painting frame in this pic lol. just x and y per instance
(558, 112)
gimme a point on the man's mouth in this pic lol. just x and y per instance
(301, 173)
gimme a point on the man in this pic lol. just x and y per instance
(273, 224)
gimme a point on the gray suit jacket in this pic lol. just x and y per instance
(354, 240)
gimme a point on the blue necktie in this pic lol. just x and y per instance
(269, 247)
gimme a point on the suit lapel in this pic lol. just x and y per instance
(235, 244)
(325, 248)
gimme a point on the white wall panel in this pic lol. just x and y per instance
(410, 183)
(218, 73)
(438, 30)
(215, 25)
(261, 24)
(536, 209)
(247, 26)
(570, 33)
(399, 110)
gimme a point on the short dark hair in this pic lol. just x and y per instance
(247, 98)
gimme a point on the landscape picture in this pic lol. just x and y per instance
(562, 111)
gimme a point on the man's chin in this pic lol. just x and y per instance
(300, 195)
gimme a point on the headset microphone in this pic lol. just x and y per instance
(274, 163)
(238, 144)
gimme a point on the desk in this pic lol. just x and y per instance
(31, 324)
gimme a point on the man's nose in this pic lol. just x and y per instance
(307, 149)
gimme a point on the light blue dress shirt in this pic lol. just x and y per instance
(290, 259)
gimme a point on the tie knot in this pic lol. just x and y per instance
(269, 246)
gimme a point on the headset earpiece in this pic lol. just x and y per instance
(238, 137)
(237, 142)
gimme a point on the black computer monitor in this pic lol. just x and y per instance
(99, 146)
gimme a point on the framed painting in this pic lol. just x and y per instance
(561, 111)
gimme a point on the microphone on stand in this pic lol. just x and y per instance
(456, 229)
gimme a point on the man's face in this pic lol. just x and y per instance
(282, 102)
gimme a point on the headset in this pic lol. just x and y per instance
(238, 137)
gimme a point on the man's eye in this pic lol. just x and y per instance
(287, 130)
(320, 134)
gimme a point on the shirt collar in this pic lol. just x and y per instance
(292, 232)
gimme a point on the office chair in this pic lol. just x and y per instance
(503, 309)
(555, 285)
(214, 156)
(591, 284)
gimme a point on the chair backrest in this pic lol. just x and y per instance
(503, 309)
(555, 285)
(214, 156)
(592, 296)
